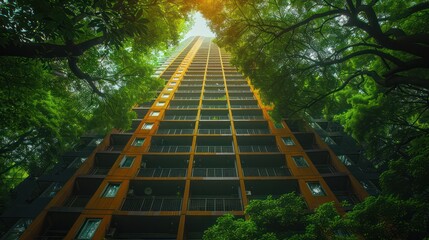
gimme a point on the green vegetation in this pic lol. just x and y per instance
(362, 63)
(288, 218)
(68, 67)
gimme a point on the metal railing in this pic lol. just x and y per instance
(215, 204)
(215, 149)
(214, 172)
(214, 131)
(180, 117)
(77, 201)
(214, 117)
(175, 131)
(186, 98)
(172, 148)
(239, 91)
(99, 171)
(215, 106)
(259, 148)
(248, 117)
(252, 131)
(241, 98)
(244, 106)
(215, 98)
(145, 204)
(183, 106)
(268, 172)
(162, 172)
(325, 168)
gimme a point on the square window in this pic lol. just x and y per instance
(316, 189)
(173, 83)
(138, 142)
(278, 125)
(160, 104)
(154, 114)
(88, 229)
(300, 161)
(111, 190)
(288, 141)
(165, 95)
(147, 126)
(345, 160)
(127, 161)
(170, 89)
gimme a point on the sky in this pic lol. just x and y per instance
(200, 27)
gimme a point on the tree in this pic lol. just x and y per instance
(68, 67)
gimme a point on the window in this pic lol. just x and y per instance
(138, 142)
(111, 190)
(165, 95)
(52, 190)
(154, 114)
(345, 160)
(288, 141)
(127, 161)
(88, 229)
(160, 104)
(77, 162)
(300, 161)
(278, 125)
(329, 141)
(316, 189)
(173, 83)
(147, 126)
(170, 89)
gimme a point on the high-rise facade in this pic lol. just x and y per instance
(204, 147)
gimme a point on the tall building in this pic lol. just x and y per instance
(204, 147)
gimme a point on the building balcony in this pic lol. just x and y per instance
(77, 201)
(183, 106)
(214, 172)
(99, 171)
(257, 189)
(152, 203)
(217, 204)
(259, 148)
(213, 117)
(214, 106)
(252, 131)
(180, 117)
(248, 117)
(175, 131)
(241, 98)
(173, 114)
(162, 172)
(188, 91)
(244, 106)
(214, 149)
(142, 227)
(187, 98)
(266, 172)
(214, 131)
(169, 149)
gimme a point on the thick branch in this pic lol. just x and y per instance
(15, 144)
(72, 62)
(47, 50)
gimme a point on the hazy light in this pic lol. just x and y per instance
(200, 27)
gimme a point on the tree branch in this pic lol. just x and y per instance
(72, 62)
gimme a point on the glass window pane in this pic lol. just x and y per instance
(160, 104)
(288, 141)
(165, 95)
(88, 229)
(127, 161)
(316, 189)
(154, 114)
(111, 190)
(300, 161)
(138, 142)
(147, 126)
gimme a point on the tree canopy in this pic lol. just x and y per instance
(68, 67)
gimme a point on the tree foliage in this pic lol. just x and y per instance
(68, 67)
(383, 217)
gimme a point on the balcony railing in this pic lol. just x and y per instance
(99, 171)
(146, 204)
(180, 117)
(248, 117)
(266, 172)
(162, 172)
(183, 106)
(186, 98)
(325, 169)
(77, 201)
(175, 131)
(215, 149)
(241, 98)
(214, 117)
(244, 106)
(259, 148)
(169, 149)
(214, 131)
(215, 106)
(214, 172)
(252, 131)
(215, 204)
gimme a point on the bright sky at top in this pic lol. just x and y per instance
(200, 27)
